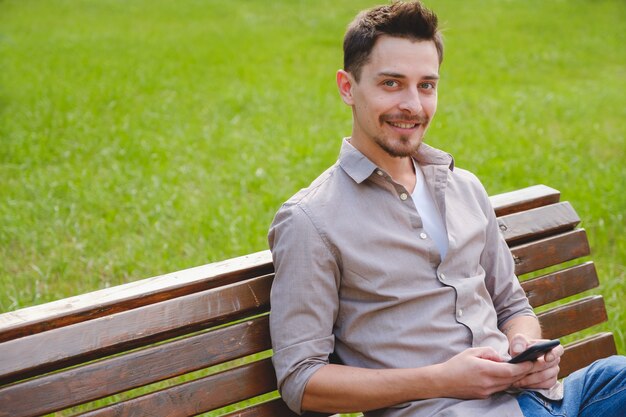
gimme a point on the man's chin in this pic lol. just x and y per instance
(401, 150)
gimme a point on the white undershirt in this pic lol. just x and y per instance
(431, 218)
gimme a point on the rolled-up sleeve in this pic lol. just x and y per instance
(304, 300)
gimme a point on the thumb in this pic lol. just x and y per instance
(518, 344)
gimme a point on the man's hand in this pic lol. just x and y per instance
(545, 370)
(479, 373)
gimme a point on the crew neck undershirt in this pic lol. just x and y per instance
(431, 217)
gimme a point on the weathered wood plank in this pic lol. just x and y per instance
(572, 317)
(199, 396)
(584, 352)
(129, 329)
(561, 284)
(121, 373)
(273, 408)
(550, 251)
(132, 295)
(538, 223)
(524, 199)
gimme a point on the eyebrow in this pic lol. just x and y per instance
(402, 76)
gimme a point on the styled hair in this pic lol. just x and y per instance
(410, 20)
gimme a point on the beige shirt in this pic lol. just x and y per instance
(356, 274)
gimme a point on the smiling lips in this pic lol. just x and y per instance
(403, 125)
(404, 122)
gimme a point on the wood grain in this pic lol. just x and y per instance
(584, 352)
(198, 396)
(550, 251)
(561, 284)
(135, 294)
(524, 199)
(130, 329)
(138, 368)
(538, 223)
(273, 408)
(572, 317)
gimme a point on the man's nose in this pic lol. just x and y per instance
(411, 101)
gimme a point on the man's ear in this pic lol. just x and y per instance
(344, 83)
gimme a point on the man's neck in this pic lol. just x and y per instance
(401, 169)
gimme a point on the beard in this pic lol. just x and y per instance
(404, 145)
(401, 149)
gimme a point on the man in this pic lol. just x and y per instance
(392, 262)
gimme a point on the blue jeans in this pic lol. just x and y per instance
(597, 390)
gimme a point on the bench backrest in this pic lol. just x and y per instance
(197, 341)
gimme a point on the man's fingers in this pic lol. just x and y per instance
(555, 354)
(487, 353)
(543, 375)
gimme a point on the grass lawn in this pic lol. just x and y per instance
(142, 137)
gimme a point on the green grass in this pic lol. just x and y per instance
(143, 137)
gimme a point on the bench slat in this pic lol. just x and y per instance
(524, 199)
(121, 373)
(132, 295)
(273, 408)
(550, 251)
(584, 352)
(108, 335)
(537, 223)
(561, 284)
(199, 396)
(572, 317)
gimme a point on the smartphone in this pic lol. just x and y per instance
(535, 351)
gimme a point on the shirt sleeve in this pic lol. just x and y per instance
(304, 300)
(508, 296)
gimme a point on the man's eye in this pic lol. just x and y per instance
(390, 83)
(427, 86)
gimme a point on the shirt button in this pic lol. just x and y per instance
(442, 277)
(423, 235)
(403, 196)
(379, 172)
(459, 313)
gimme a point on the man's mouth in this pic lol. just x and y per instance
(401, 122)
(403, 125)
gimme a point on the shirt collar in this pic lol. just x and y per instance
(359, 167)
(427, 155)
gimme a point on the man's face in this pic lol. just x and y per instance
(396, 96)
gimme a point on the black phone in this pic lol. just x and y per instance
(535, 351)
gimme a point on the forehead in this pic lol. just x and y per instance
(403, 56)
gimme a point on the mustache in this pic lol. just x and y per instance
(417, 118)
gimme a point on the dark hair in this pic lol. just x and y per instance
(402, 19)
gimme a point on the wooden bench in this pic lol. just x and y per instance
(197, 340)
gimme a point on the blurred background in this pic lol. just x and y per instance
(143, 137)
